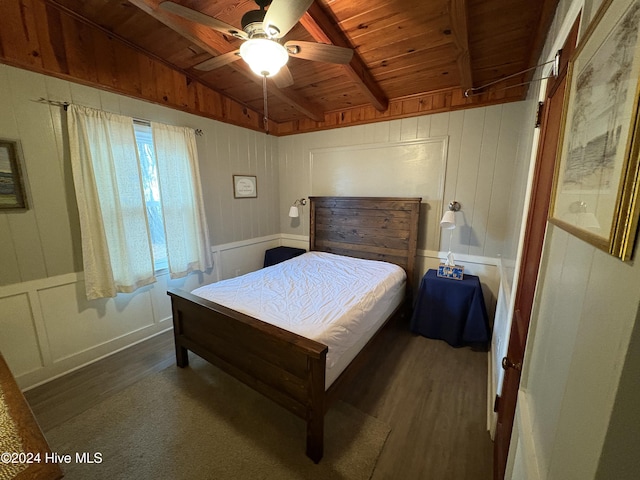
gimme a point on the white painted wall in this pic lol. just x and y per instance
(410, 168)
(576, 418)
(482, 149)
(47, 327)
(43, 241)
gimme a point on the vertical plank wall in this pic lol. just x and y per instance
(46, 323)
(42, 284)
(42, 241)
(484, 150)
(574, 418)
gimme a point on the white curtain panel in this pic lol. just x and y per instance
(185, 224)
(116, 246)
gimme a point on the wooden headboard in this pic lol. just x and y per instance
(375, 228)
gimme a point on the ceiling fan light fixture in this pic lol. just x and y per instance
(265, 57)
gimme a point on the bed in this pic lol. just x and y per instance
(287, 367)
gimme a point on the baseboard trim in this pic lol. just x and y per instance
(67, 371)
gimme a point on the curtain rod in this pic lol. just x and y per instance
(65, 105)
(56, 103)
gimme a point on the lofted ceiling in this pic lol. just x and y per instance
(403, 48)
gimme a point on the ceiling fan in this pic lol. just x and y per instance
(261, 32)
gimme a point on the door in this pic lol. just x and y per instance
(532, 251)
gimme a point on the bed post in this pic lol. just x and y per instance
(182, 355)
(316, 407)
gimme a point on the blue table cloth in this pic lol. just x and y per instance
(451, 310)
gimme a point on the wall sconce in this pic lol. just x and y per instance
(448, 222)
(293, 211)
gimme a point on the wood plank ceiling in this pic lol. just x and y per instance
(410, 52)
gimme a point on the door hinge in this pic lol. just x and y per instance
(496, 403)
(539, 114)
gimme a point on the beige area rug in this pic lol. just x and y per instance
(199, 423)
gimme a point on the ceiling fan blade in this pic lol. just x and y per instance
(283, 15)
(319, 52)
(283, 78)
(219, 61)
(195, 16)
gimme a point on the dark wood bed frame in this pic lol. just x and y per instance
(281, 365)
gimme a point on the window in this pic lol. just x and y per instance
(139, 200)
(151, 188)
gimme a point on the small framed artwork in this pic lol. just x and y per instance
(12, 193)
(245, 186)
(597, 173)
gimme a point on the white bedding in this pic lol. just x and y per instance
(338, 301)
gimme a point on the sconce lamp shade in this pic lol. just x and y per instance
(293, 211)
(448, 221)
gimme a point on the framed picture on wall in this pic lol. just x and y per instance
(12, 192)
(596, 180)
(245, 186)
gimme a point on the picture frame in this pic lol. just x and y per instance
(245, 186)
(12, 192)
(595, 192)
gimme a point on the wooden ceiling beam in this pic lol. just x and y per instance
(215, 44)
(322, 28)
(458, 14)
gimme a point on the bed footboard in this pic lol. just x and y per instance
(285, 367)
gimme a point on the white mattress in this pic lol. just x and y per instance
(335, 300)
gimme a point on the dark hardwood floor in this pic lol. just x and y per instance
(434, 398)
(63, 398)
(432, 395)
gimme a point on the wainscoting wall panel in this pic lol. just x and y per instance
(49, 328)
(19, 323)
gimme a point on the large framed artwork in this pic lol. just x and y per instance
(12, 193)
(596, 181)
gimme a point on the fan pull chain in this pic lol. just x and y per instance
(266, 107)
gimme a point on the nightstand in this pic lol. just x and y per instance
(280, 254)
(451, 310)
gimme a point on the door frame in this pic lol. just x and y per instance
(533, 232)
